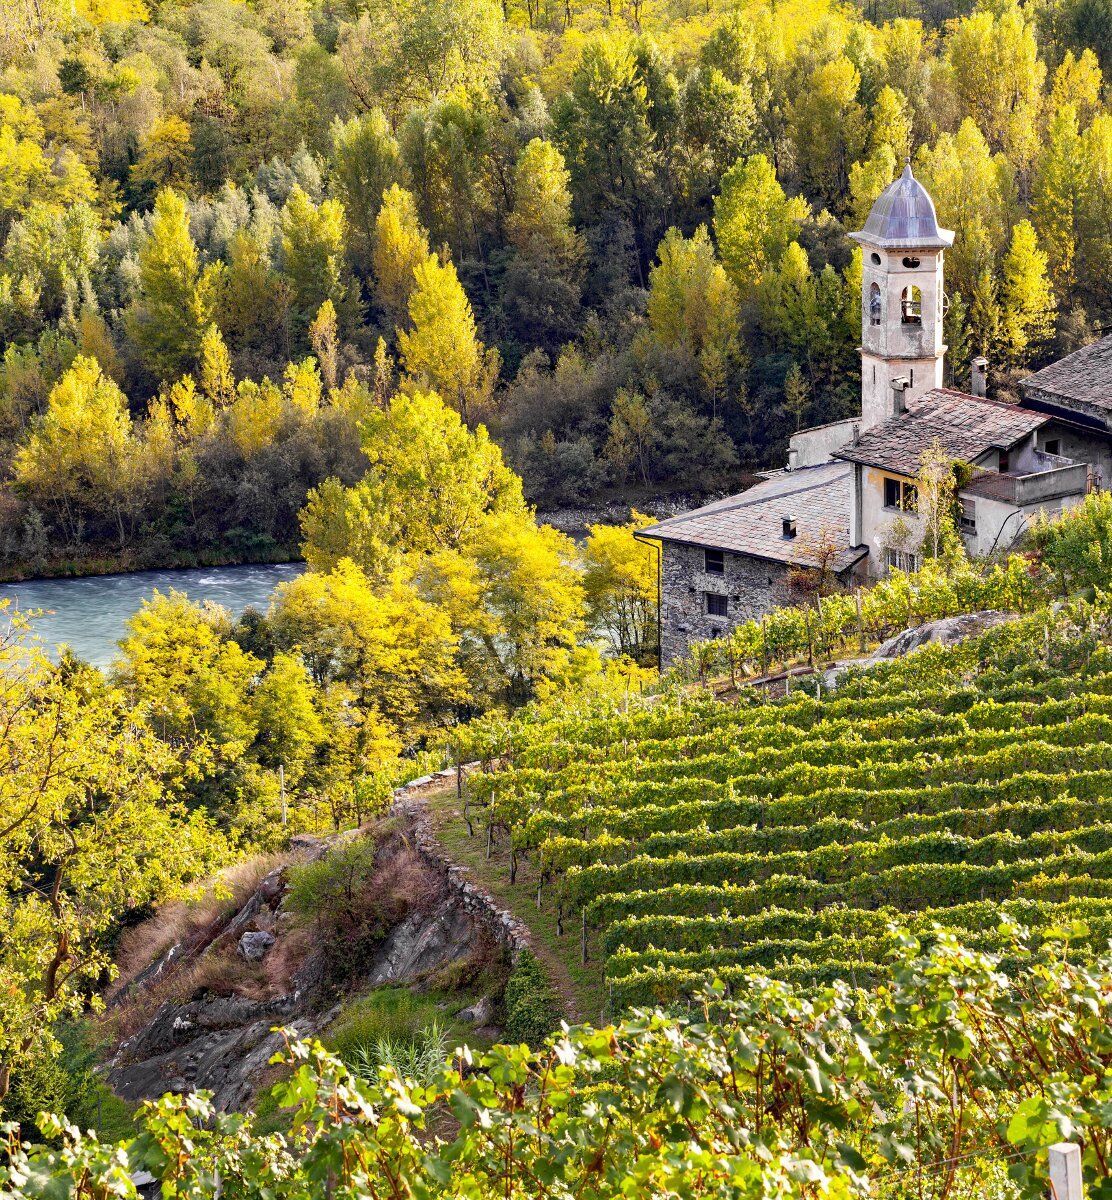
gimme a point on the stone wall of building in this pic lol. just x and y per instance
(752, 587)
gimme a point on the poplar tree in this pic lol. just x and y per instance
(754, 221)
(313, 253)
(399, 247)
(539, 224)
(324, 339)
(366, 161)
(217, 381)
(693, 306)
(827, 126)
(176, 299)
(79, 457)
(1057, 195)
(1027, 299)
(442, 351)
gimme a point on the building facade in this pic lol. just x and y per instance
(846, 506)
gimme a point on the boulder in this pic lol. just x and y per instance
(480, 1013)
(255, 945)
(945, 632)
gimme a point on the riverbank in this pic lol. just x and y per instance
(574, 521)
(133, 561)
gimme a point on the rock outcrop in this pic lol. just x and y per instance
(222, 1042)
(947, 631)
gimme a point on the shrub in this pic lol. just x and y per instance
(392, 1014)
(332, 888)
(531, 1004)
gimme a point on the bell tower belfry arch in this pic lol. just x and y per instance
(902, 299)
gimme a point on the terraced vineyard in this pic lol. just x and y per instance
(950, 788)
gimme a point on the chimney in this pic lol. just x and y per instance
(899, 385)
(789, 528)
(978, 369)
(793, 458)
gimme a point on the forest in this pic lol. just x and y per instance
(614, 234)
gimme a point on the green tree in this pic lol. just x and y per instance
(176, 299)
(693, 307)
(313, 254)
(400, 55)
(87, 833)
(605, 131)
(542, 286)
(828, 129)
(539, 224)
(754, 222)
(366, 161)
(1077, 547)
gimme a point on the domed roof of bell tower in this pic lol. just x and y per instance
(903, 217)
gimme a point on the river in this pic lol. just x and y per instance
(90, 614)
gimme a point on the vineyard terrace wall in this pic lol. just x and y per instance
(750, 586)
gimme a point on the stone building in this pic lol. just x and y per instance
(847, 502)
(732, 560)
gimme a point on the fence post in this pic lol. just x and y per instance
(1065, 1172)
(860, 621)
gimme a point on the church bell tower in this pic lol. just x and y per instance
(902, 300)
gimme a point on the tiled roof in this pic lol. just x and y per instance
(817, 499)
(966, 427)
(1082, 381)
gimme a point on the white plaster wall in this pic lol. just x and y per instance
(1080, 447)
(894, 348)
(877, 521)
(817, 444)
(1000, 525)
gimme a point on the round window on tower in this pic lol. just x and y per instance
(874, 304)
(875, 259)
(911, 263)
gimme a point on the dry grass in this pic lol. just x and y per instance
(190, 923)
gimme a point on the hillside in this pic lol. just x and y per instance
(690, 836)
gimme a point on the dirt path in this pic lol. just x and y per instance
(580, 986)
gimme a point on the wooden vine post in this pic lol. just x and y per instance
(1065, 1172)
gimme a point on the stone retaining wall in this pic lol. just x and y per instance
(411, 807)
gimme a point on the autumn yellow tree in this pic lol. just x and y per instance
(176, 299)
(442, 351)
(399, 247)
(620, 584)
(79, 458)
(88, 833)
